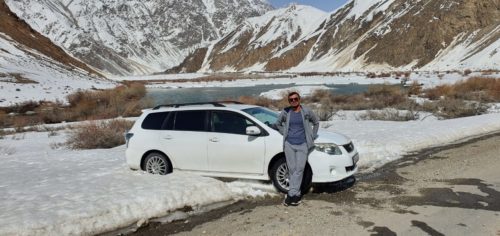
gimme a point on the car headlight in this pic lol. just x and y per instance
(329, 148)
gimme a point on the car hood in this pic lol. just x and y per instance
(332, 137)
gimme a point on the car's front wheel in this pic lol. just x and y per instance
(157, 164)
(280, 177)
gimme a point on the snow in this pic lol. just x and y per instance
(463, 53)
(51, 80)
(362, 6)
(45, 191)
(135, 37)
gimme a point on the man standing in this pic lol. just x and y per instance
(299, 127)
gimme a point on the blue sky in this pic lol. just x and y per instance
(325, 5)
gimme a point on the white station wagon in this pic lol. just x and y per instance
(230, 139)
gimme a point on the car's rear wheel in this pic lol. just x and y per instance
(157, 164)
(280, 177)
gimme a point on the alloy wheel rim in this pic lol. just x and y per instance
(156, 165)
(282, 176)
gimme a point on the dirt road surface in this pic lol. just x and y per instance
(453, 190)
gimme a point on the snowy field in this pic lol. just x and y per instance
(48, 190)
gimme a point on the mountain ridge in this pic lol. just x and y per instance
(377, 35)
(134, 37)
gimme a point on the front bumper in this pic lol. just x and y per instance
(332, 168)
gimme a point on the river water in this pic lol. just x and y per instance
(207, 94)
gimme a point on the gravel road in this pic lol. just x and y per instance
(452, 190)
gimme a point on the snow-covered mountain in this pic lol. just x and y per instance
(33, 68)
(124, 37)
(362, 35)
(255, 42)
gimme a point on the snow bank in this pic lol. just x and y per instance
(62, 192)
(380, 142)
(45, 191)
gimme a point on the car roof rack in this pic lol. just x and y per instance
(215, 104)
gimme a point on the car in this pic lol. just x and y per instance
(230, 140)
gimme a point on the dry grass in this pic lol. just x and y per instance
(450, 108)
(389, 115)
(467, 72)
(123, 101)
(414, 89)
(265, 102)
(99, 135)
(479, 89)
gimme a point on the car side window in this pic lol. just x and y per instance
(190, 120)
(229, 122)
(154, 121)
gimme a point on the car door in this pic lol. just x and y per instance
(184, 140)
(230, 149)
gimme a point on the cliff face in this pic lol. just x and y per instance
(365, 35)
(127, 37)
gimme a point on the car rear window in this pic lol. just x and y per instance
(154, 121)
(190, 120)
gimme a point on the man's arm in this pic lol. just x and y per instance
(279, 123)
(315, 121)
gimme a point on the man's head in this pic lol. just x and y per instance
(294, 99)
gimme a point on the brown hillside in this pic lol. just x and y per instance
(22, 33)
(424, 31)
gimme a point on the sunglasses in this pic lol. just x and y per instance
(295, 99)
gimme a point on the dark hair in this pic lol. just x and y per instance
(293, 93)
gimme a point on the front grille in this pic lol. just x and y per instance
(350, 168)
(349, 147)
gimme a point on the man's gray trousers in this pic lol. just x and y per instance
(296, 158)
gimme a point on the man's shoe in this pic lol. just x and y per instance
(288, 200)
(296, 200)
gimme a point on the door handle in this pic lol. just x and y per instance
(214, 140)
(168, 137)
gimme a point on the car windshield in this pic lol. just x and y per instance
(263, 114)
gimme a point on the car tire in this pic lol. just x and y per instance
(279, 177)
(157, 164)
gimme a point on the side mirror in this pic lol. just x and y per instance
(253, 131)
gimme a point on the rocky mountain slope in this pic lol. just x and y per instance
(127, 37)
(257, 40)
(362, 35)
(33, 68)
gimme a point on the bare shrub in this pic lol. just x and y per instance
(415, 88)
(438, 92)
(98, 135)
(475, 88)
(104, 104)
(382, 96)
(450, 108)
(325, 111)
(20, 123)
(389, 115)
(3, 118)
(489, 72)
(319, 95)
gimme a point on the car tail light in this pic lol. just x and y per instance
(128, 136)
